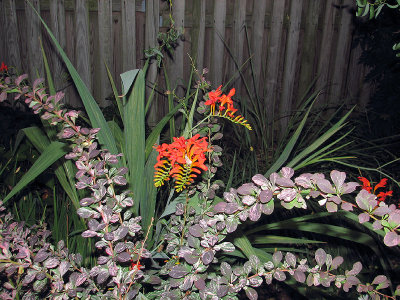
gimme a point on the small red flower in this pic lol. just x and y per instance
(366, 184)
(381, 183)
(213, 97)
(3, 67)
(381, 195)
(137, 264)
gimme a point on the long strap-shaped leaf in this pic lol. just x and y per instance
(328, 230)
(289, 147)
(52, 153)
(62, 171)
(92, 109)
(322, 139)
(147, 206)
(134, 130)
(279, 239)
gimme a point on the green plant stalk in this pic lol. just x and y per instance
(172, 129)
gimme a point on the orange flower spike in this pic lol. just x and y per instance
(366, 184)
(381, 183)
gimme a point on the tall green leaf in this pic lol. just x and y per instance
(148, 206)
(64, 171)
(134, 131)
(324, 229)
(115, 92)
(289, 146)
(51, 154)
(318, 142)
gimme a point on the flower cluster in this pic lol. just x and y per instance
(225, 106)
(181, 160)
(381, 196)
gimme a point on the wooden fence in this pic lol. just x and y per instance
(289, 42)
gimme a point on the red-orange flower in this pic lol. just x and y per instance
(137, 264)
(381, 195)
(213, 97)
(381, 183)
(3, 67)
(366, 184)
(226, 99)
(181, 160)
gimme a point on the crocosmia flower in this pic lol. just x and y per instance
(225, 106)
(366, 184)
(182, 160)
(381, 196)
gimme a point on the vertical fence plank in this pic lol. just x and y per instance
(175, 66)
(57, 16)
(3, 43)
(151, 30)
(258, 20)
(289, 74)
(354, 80)
(274, 51)
(82, 53)
(218, 44)
(105, 48)
(35, 63)
(310, 46)
(238, 34)
(128, 12)
(11, 37)
(198, 32)
(326, 49)
(342, 54)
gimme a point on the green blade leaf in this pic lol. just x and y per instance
(64, 172)
(279, 239)
(289, 147)
(118, 135)
(148, 206)
(322, 139)
(326, 229)
(52, 153)
(134, 131)
(115, 92)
